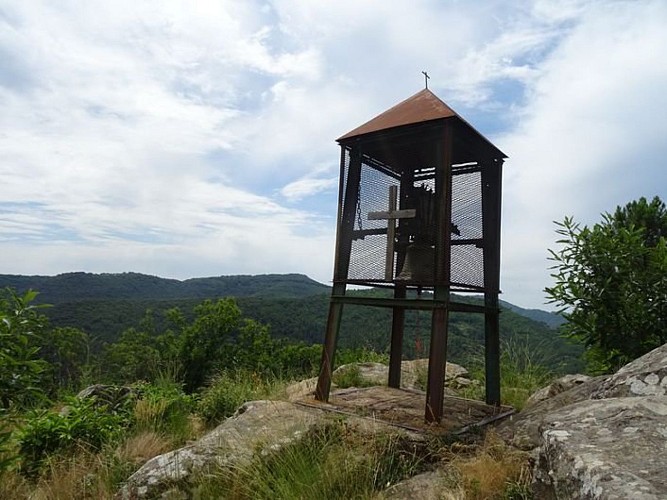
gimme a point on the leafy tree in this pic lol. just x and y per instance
(134, 357)
(21, 370)
(611, 281)
(204, 340)
(66, 351)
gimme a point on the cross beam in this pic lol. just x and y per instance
(391, 216)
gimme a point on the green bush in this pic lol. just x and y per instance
(21, 370)
(329, 461)
(164, 408)
(229, 390)
(522, 372)
(83, 423)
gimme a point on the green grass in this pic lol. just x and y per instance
(330, 462)
(229, 390)
(521, 374)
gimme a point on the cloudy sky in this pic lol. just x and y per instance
(197, 138)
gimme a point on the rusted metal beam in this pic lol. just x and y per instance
(396, 349)
(440, 317)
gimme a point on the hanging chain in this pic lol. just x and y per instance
(359, 209)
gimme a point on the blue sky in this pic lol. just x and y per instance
(186, 139)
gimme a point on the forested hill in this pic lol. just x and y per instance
(75, 287)
(293, 305)
(551, 319)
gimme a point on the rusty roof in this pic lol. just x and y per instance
(421, 107)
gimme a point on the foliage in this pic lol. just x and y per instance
(21, 370)
(230, 389)
(611, 281)
(522, 372)
(66, 351)
(330, 461)
(164, 409)
(7, 455)
(80, 286)
(82, 424)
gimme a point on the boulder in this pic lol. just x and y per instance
(610, 448)
(369, 373)
(256, 425)
(562, 384)
(431, 485)
(645, 376)
(522, 430)
(605, 437)
(302, 389)
(413, 374)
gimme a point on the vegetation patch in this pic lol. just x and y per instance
(331, 461)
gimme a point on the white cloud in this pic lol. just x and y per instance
(589, 136)
(197, 138)
(308, 187)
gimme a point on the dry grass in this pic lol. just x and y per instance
(142, 447)
(494, 471)
(87, 475)
(78, 476)
(13, 486)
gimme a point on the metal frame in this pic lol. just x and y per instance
(453, 140)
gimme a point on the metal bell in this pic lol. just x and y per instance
(419, 265)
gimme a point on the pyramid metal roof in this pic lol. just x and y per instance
(422, 107)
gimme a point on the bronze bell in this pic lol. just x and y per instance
(419, 265)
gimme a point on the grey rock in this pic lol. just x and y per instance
(413, 373)
(256, 425)
(559, 385)
(370, 373)
(522, 429)
(430, 485)
(611, 448)
(645, 376)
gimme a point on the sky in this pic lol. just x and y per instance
(197, 138)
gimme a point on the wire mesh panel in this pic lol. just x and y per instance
(402, 200)
(369, 243)
(467, 261)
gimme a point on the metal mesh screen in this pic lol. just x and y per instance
(467, 269)
(369, 237)
(368, 256)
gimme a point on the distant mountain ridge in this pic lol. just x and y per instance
(294, 306)
(80, 286)
(551, 319)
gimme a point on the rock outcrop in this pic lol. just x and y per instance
(258, 424)
(606, 437)
(257, 427)
(413, 374)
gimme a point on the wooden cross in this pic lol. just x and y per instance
(391, 216)
(426, 78)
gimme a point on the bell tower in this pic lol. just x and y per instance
(419, 209)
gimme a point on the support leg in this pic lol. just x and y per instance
(492, 348)
(396, 352)
(329, 348)
(436, 366)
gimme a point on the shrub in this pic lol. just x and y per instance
(82, 424)
(330, 461)
(521, 374)
(164, 408)
(229, 390)
(21, 370)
